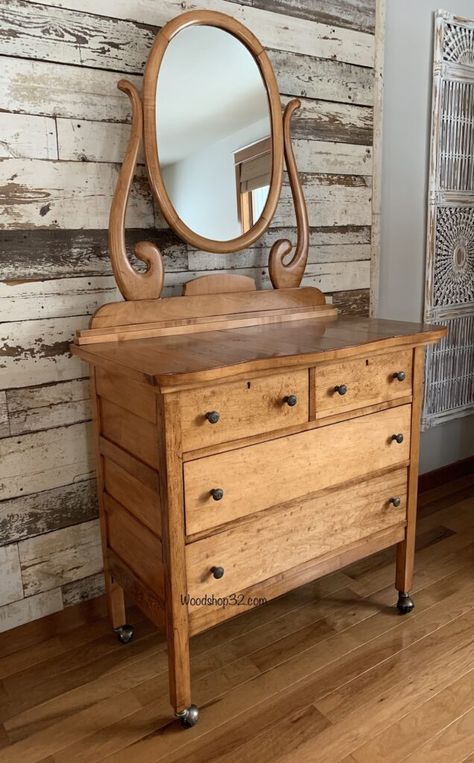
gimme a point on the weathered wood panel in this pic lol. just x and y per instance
(38, 351)
(82, 140)
(11, 587)
(41, 254)
(274, 30)
(258, 257)
(328, 80)
(319, 157)
(48, 510)
(353, 14)
(58, 195)
(83, 590)
(50, 560)
(74, 37)
(52, 253)
(44, 460)
(28, 137)
(106, 142)
(53, 405)
(332, 200)
(23, 301)
(37, 87)
(355, 302)
(337, 122)
(63, 197)
(31, 608)
(4, 424)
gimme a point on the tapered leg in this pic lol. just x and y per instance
(174, 557)
(406, 549)
(114, 592)
(115, 601)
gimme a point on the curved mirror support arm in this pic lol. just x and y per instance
(132, 284)
(285, 276)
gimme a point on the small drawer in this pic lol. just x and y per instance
(280, 539)
(345, 386)
(223, 487)
(224, 412)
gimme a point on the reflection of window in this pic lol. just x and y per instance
(253, 167)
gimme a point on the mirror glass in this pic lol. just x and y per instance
(213, 132)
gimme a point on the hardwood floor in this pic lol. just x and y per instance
(329, 672)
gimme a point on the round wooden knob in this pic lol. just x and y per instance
(398, 438)
(400, 375)
(290, 400)
(395, 501)
(341, 389)
(212, 417)
(217, 493)
(217, 572)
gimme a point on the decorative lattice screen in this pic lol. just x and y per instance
(449, 294)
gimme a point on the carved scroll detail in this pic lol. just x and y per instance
(132, 284)
(285, 276)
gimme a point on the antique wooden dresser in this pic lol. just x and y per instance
(247, 441)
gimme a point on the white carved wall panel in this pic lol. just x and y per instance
(449, 292)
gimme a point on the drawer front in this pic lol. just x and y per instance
(243, 408)
(285, 537)
(269, 473)
(362, 382)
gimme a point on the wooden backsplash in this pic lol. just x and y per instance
(63, 131)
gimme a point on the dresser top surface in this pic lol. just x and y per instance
(170, 361)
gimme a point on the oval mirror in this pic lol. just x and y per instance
(213, 136)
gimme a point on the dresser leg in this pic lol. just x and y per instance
(179, 668)
(115, 601)
(404, 573)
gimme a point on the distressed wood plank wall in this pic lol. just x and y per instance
(63, 130)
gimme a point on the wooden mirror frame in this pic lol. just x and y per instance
(152, 71)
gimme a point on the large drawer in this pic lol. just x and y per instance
(268, 473)
(223, 412)
(345, 386)
(284, 537)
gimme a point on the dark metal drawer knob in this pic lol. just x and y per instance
(217, 493)
(290, 400)
(398, 438)
(217, 572)
(400, 375)
(212, 417)
(395, 501)
(341, 389)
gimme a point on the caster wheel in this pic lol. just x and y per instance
(404, 604)
(124, 633)
(189, 716)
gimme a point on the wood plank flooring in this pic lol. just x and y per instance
(327, 673)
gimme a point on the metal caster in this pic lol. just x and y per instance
(405, 603)
(189, 716)
(124, 633)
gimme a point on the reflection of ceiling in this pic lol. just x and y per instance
(209, 86)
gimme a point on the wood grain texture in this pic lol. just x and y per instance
(367, 381)
(245, 408)
(256, 478)
(281, 539)
(196, 358)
